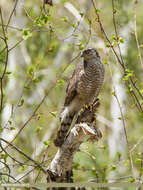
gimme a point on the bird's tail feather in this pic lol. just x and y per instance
(62, 132)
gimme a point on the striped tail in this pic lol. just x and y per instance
(66, 120)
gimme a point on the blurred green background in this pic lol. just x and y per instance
(51, 40)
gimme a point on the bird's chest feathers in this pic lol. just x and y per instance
(89, 79)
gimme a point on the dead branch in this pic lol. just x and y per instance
(60, 169)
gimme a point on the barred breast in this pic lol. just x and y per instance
(91, 82)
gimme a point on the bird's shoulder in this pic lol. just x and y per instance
(71, 90)
(76, 75)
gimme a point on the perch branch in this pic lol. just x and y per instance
(60, 169)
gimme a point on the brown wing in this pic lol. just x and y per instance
(71, 90)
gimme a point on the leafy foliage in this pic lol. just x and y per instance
(43, 48)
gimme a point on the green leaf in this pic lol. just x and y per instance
(21, 169)
(129, 74)
(47, 143)
(38, 116)
(113, 37)
(105, 62)
(126, 162)
(35, 80)
(139, 153)
(107, 45)
(81, 14)
(132, 180)
(113, 167)
(51, 48)
(120, 39)
(8, 73)
(38, 129)
(96, 19)
(26, 33)
(42, 20)
(53, 113)
(119, 155)
(141, 114)
(125, 78)
(75, 35)
(89, 21)
(65, 19)
(4, 157)
(37, 168)
(60, 81)
(138, 160)
(76, 165)
(10, 122)
(81, 45)
(128, 71)
(30, 71)
(27, 87)
(21, 103)
(141, 91)
(130, 88)
(12, 128)
(113, 93)
(97, 10)
(104, 147)
(74, 25)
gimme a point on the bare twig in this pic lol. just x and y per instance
(103, 31)
(9, 176)
(22, 153)
(120, 60)
(136, 34)
(123, 122)
(16, 1)
(27, 173)
(6, 61)
(12, 27)
(7, 166)
(15, 45)
(138, 142)
(20, 163)
(124, 126)
(2, 50)
(43, 99)
(116, 33)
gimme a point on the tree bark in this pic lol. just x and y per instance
(60, 169)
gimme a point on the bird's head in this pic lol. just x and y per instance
(90, 53)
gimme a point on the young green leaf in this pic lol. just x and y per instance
(26, 33)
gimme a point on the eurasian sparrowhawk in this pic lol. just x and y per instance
(83, 88)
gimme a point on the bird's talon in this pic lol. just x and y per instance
(75, 132)
(90, 107)
(82, 109)
(86, 106)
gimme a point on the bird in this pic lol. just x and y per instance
(83, 88)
